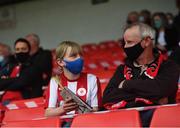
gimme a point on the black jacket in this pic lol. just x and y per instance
(176, 25)
(42, 60)
(27, 82)
(175, 55)
(140, 86)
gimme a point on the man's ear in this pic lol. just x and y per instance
(147, 42)
(60, 62)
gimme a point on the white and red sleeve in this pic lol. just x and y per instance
(95, 92)
(52, 97)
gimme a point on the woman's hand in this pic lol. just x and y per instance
(69, 105)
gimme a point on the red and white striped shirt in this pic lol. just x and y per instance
(87, 87)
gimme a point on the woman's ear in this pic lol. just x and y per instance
(60, 62)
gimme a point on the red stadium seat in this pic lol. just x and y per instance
(46, 122)
(168, 116)
(104, 75)
(89, 48)
(103, 87)
(2, 111)
(109, 44)
(27, 103)
(24, 114)
(122, 118)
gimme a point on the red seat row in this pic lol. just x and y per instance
(164, 116)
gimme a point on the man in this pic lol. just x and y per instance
(41, 59)
(21, 74)
(5, 52)
(132, 17)
(146, 78)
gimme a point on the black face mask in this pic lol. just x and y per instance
(134, 52)
(129, 22)
(22, 57)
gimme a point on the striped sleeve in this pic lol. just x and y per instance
(96, 97)
(52, 94)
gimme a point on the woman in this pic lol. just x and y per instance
(84, 85)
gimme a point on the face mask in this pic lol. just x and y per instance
(141, 19)
(1, 58)
(129, 22)
(22, 57)
(134, 52)
(170, 22)
(75, 66)
(157, 24)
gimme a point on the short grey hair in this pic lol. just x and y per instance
(145, 30)
(35, 38)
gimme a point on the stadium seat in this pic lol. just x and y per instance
(168, 116)
(24, 114)
(103, 87)
(2, 111)
(121, 118)
(89, 48)
(105, 75)
(46, 122)
(27, 103)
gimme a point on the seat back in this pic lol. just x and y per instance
(122, 118)
(168, 116)
(24, 114)
(26, 103)
(46, 122)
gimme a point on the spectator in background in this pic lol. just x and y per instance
(166, 38)
(23, 78)
(5, 52)
(176, 23)
(175, 55)
(170, 19)
(40, 58)
(145, 17)
(145, 79)
(14, 69)
(132, 17)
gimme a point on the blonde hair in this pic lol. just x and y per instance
(63, 46)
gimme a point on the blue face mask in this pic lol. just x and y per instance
(75, 66)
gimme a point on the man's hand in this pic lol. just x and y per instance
(163, 101)
(4, 77)
(69, 105)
